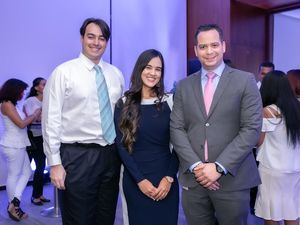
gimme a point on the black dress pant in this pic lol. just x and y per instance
(92, 184)
(36, 152)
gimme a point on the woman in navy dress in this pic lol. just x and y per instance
(142, 119)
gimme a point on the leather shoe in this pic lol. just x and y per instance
(36, 201)
(43, 199)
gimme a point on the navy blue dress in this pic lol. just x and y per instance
(151, 159)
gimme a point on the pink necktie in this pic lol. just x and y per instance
(208, 97)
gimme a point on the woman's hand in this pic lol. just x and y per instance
(147, 188)
(163, 189)
(37, 114)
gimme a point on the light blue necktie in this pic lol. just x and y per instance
(107, 123)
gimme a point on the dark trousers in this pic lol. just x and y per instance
(36, 152)
(92, 184)
(203, 207)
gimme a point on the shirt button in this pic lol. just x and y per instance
(207, 124)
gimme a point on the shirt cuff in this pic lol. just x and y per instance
(223, 168)
(194, 165)
(54, 159)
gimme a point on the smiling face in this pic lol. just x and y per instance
(210, 49)
(151, 74)
(93, 43)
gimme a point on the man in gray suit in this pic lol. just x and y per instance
(215, 123)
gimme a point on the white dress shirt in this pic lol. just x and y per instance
(70, 104)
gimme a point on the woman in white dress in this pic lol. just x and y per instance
(36, 151)
(278, 195)
(13, 144)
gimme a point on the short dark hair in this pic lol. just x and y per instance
(267, 64)
(12, 90)
(207, 27)
(101, 23)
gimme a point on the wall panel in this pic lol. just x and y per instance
(146, 24)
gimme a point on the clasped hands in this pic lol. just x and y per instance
(155, 193)
(207, 175)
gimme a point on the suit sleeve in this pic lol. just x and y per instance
(250, 125)
(179, 137)
(126, 158)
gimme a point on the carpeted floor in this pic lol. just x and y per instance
(35, 217)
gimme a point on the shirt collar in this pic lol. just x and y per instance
(88, 63)
(219, 70)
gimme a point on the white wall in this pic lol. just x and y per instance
(286, 45)
(147, 24)
(37, 35)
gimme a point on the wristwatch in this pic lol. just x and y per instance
(219, 169)
(169, 179)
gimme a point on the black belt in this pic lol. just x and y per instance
(86, 145)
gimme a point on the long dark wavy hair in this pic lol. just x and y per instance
(130, 114)
(275, 89)
(12, 90)
(35, 83)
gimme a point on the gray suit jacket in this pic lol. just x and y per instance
(232, 127)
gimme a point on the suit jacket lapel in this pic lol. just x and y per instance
(223, 82)
(199, 92)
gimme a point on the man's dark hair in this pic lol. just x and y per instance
(207, 27)
(101, 23)
(267, 64)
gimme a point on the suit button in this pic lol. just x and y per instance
(207, 124)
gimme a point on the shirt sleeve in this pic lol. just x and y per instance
(53, 99)
(29, 106)
(268, 125)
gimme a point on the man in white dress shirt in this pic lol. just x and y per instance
(84, 165)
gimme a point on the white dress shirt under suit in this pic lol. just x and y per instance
(70, 105)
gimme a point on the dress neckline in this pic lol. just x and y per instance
(149, 101)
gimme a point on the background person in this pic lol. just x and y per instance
(294, 79)
(36, 151)
(13, 144)
(263, 69)
(278, 196)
